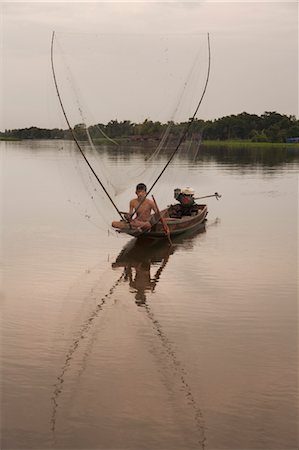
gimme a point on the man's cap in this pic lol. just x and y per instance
(188, 191)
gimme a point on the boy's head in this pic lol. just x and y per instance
(141, 190)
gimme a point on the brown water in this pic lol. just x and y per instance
(111, 345)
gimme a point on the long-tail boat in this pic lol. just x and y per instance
(175, 221)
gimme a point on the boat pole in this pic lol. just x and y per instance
(72, 131)
(163, 221)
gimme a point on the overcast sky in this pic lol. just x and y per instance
(254, 58)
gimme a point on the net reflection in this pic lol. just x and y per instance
(138, 258)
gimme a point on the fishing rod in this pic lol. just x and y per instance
(185, 132)
(72, 131)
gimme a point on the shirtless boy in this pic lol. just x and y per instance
(143, 213)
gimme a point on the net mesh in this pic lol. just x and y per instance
(124, 95)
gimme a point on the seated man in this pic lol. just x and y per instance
(186, 199)
(143, 212)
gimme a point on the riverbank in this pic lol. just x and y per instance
(228, 144)
(248, 144)
(9, 139)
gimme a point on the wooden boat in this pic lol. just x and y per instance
(177, 222)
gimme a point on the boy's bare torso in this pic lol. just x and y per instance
(144, 210)
(140, 209)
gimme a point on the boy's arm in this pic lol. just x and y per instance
(131, 209)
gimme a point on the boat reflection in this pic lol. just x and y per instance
(139, 257)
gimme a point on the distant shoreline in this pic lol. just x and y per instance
(231, 131)
(270, 127)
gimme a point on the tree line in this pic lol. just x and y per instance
(268, 127)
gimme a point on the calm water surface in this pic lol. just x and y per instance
(107, 344)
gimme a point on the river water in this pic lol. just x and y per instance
(107, 344)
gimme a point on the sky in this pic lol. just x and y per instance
(129, 60)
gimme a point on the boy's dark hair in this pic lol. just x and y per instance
(141, 187)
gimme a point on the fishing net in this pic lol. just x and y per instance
(128, 99)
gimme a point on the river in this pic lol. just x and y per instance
(107, 344)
